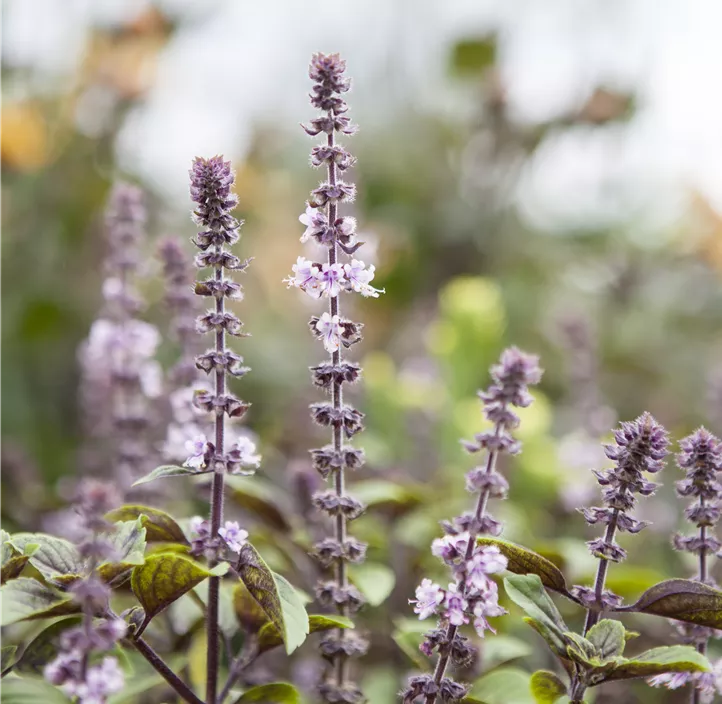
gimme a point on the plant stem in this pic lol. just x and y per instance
(480, 512)
(214, 584)
(702, 644)
(337, 399)
(593, 616)
(183, 690)
(237, 667)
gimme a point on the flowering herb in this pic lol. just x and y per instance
(328, 279)
(472, 596)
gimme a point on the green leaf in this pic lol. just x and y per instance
(168, 471)
(674, 658)
(581, 650)
(374, 580)
(505, 685)
(470, 57)
(24, 599)
(128, 542)
(260, 498)
(44, 647)
(408, 635)
(502, 648)
(682, 600)
(248, 611)
(524, 561)
(56, 559)
(160, 527)
(556, 644)
(16, 690)
(7, 657)
(269, 636)
(164, 578)
(278, 599)
(608, 637)
(276, 693)
(527, 592)
(546, 687)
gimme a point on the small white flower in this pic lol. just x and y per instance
(196, 449)
(315, 221)
(330, 279)
(358, 276)
(195, 525)
(233, 535)
(330, 329)
(245, 448)
(304, 277)
(428, 597)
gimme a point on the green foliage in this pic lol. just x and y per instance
(278, 599)
(674, 658)
(608, 638)
(682, 600)
(44, 647)
(169, 471)
(527, 592)
(407, 635)
(522, 561)
(277, 693)
(56, 559)
(160, 527)
(469, 57)
(374, 580)
(546, 687)
(16, 690)
(13, 559)
(377, 492)
(27, 599)
(164, 578)
(269, 636)
(505, 685)
(128, 542)
(7, 657)
(258, 498)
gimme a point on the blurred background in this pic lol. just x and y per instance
(541, 174)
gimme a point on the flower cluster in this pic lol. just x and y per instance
(473, 596)
(211, 181)
(324, 279)
(231, 535)
(120, 374)
(329, 279)
(71, 669)
(640, 447)
(707, 684)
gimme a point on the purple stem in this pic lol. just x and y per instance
(592, 615)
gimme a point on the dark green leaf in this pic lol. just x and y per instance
(128, 541)
(374, 580)
(277, 693)
(608, 637)
(505, 685)
(546, 687)
(56, 559)
(682, 600)
(7, 657)
(164, 578)
(16, 690)
(258, 498)
(471, 56)
(674, 658)
(168, 471)
(44, 647)
(278, 599)
(524, 561)
(248, 611)
(375, 492)
(269, 636)
(25, 599)
(527, 592)
(159, 526)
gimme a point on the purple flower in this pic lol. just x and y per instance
(456, 606)
(330, 331)
(233, 535)
(358, 277)
(329, 279)
(450, 548)
(316, 222)
(428, 598)
(486, 606)
(244, 454)
(198, 450)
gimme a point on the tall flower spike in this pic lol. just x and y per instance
(330, 279)
(701, 461)
(120, 375)
(210, 189)
(472, 596)
(640, 447)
